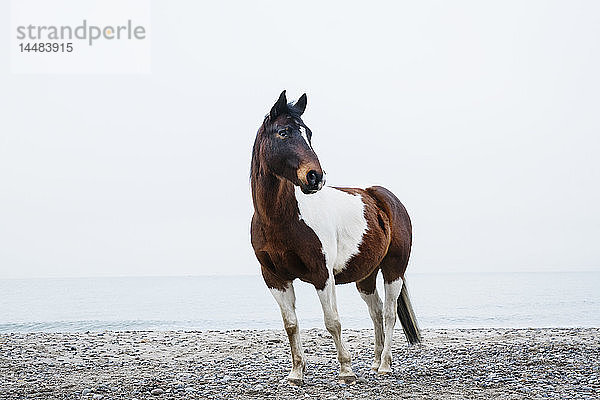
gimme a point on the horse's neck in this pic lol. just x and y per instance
(274, 199)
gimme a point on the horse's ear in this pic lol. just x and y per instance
(300, 105)
(279, 107)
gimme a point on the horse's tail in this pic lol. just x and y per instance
(407, 316)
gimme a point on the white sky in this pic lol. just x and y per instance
(482, 117)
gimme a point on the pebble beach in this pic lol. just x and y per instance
(450, 364)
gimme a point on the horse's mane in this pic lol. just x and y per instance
(254, 163)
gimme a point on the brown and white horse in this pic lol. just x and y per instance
(302, 229)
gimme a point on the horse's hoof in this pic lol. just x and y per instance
(295, 381)
(384, 371)
(347, 379)
(375, 367)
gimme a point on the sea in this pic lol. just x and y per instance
(457, 300)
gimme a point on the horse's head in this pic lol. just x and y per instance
(284, 146)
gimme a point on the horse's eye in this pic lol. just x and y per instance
(283, 132)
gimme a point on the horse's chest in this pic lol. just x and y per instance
(338, 220)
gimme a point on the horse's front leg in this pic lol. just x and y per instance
(286, 299)
(332, 323)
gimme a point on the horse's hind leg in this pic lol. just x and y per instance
(368, 291)
(286, 299)
(392, 283)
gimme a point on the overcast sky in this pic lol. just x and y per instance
(482, 117)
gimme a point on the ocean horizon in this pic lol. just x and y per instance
(440, 300)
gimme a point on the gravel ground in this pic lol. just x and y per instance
(451, 364)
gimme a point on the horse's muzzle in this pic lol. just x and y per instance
(315, 180)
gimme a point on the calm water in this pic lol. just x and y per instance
(243, 302)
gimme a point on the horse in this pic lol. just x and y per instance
(322, 235)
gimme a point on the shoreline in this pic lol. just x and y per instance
(502, 363)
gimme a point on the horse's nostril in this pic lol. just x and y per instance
(312, 177)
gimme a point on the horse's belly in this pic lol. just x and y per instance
(357, 269)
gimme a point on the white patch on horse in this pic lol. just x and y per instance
(304, 136)
(338, 220)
